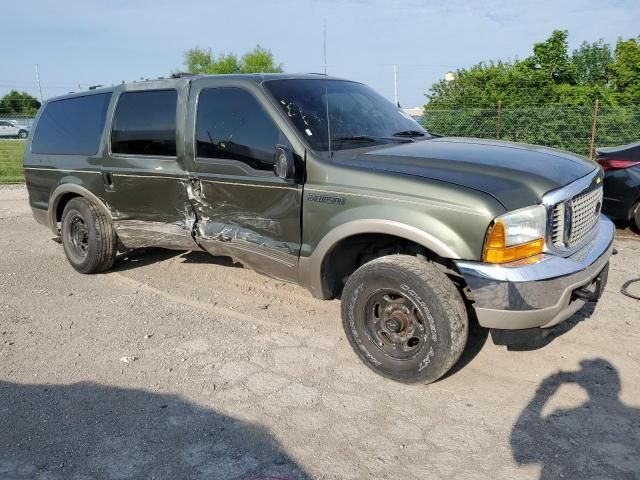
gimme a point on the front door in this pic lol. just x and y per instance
(243, 210)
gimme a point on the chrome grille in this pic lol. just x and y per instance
(557, 232)
(573, 219)
(585, 209)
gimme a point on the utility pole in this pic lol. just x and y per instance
(395, 85)
(38, 80)
(324, 46)
(594, 129)
(498, 119)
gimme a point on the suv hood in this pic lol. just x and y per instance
(517, 175)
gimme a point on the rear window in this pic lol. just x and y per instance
(72, 126)
(145, 123)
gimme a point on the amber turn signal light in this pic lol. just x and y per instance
(496, 250)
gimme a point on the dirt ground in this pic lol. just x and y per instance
(234, 375)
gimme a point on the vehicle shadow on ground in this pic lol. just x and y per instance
(548, 335)
(599, 439)
(143, 257)
(89, 431)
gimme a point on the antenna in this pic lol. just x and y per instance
(324, 46)
(395, 85)
(38, 80)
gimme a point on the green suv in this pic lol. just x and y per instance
(323, 182)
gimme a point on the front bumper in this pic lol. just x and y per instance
(541, 294)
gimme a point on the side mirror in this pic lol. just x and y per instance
(284, 166)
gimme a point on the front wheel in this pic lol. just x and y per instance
(404, 318)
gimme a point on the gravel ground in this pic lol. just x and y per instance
(180, 365)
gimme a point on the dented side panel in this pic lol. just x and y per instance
(149, 195)
(247, 214)
(152, 211)
(256, 224)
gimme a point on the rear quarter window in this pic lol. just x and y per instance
(72, 126)
(145, 123)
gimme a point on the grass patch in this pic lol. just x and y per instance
(11, 154)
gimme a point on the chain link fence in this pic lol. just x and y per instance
(578, 129)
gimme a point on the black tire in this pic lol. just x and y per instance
(89, 240)
(635, 217)
(23, 134)
(404, 318)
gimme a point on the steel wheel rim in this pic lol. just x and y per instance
(395, 324)
(79, 236)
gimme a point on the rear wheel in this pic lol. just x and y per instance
(23, 134)
(404, 318)
(88, 237)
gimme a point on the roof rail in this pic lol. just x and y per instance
(182, 74)
(93, 87)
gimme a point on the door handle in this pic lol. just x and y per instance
(107, 178)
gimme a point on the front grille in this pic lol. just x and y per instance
(575, 218)
(585, 209)
(557, 233)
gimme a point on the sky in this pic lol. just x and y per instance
(78, 43)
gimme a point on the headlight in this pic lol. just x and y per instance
(516, 235)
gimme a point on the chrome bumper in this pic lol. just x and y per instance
(517, 295)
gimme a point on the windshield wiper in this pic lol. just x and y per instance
(355, 139)
(409, 133)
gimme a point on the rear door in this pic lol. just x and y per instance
(244, 210)
(144, 172)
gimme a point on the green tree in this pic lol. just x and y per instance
(549, 76)
(258, 60)
(484, 84)
(552, 58)
(592, 62)
(18, 104)
(625, 70)
(547, 98)
(199, 60)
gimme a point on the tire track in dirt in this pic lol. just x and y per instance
(206, 307)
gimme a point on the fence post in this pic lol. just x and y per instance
(594, 128)
(498, 119)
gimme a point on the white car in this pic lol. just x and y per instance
(9, 128)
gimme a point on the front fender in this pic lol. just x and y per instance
(455, 235)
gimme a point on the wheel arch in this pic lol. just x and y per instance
(315, 270)
(62, 195)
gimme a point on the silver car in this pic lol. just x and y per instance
(9, 128)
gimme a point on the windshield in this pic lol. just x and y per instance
(354, 114)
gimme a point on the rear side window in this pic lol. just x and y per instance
(145, 123)
(72, 126)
